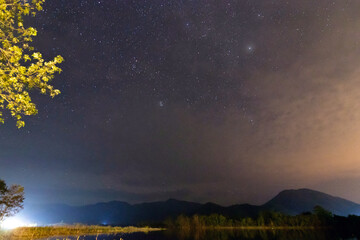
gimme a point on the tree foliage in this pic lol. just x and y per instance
(22, 69)
(11, 200)
(320, 218)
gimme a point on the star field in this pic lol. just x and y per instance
(225, 101)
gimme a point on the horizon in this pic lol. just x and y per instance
(299, 204)
(190, 201)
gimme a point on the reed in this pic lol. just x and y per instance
(30, 233)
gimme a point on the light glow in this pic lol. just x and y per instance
(14, 222)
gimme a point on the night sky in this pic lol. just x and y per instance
(229, 101)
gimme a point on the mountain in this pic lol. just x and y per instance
(121, 213)
(303, 200)
(159, 211)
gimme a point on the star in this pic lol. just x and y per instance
(250, 48)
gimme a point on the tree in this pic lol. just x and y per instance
(323, 215)
(183, 222)
(22, 69)
(11, 200)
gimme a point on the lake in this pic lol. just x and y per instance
(221, 235)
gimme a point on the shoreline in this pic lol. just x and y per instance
(34, 233)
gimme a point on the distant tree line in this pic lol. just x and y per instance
(318, 218)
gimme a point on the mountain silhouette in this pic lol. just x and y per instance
(303, 200)
(290, 202)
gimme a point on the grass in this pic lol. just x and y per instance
(30, 233)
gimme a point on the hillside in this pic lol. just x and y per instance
(303, 200)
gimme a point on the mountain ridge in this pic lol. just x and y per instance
(291, 201)
(295, 201)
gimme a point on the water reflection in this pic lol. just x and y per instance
(220, 235)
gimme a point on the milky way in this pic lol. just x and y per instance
(224, 101)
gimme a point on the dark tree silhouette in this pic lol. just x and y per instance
(11, 200)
